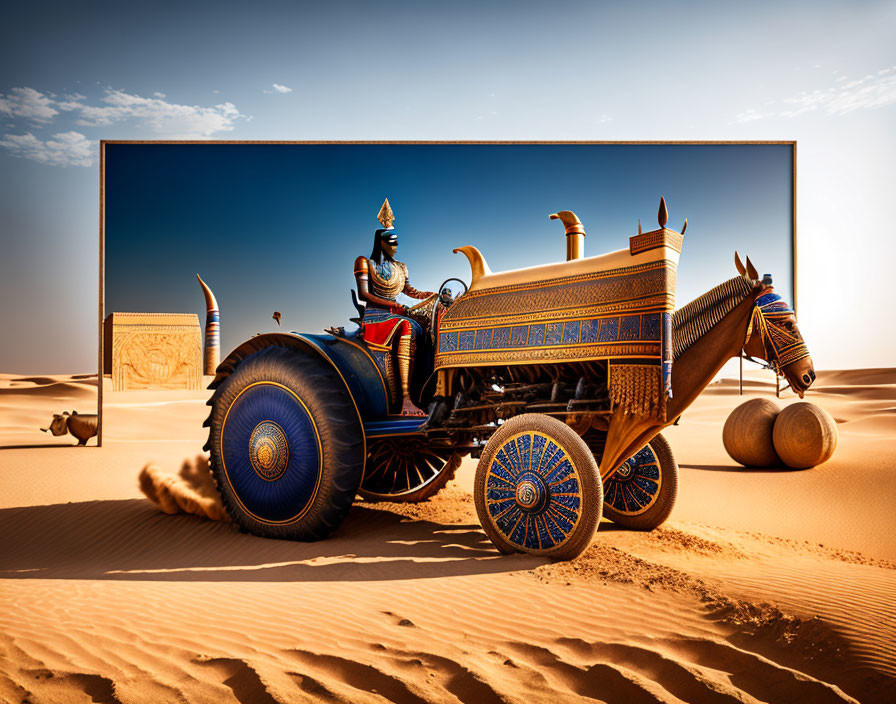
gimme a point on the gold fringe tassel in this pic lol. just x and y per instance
(443, 382)
(635, 389)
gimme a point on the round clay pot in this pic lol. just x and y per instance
(747, 434)
(805, 435)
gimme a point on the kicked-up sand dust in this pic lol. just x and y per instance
(192, 490)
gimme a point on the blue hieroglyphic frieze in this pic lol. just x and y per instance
(642, 328)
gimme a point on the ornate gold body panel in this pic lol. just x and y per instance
(592, 313)
(615, 307)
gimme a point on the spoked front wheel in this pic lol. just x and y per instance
(641, 493)
(537, 488)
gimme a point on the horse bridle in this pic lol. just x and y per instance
(782, 346)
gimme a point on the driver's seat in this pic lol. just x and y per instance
(360, 307)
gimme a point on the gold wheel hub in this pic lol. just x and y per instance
(527, 494)
(268, 450)
(624, 471)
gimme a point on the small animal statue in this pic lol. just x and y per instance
(81, 425)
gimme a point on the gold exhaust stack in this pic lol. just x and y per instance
(575, 234)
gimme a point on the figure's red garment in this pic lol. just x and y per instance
(383, 331)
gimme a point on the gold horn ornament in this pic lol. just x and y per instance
(212, 356)
(478, 265)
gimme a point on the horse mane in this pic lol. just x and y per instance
(698, 317)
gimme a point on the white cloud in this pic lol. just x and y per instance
(277, 88)
(868, 93)
(28, 103)
(749, 115)
(167, 119)
(156, 114)
(64, 149)
(864, 94)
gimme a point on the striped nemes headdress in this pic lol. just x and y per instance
(783, 345)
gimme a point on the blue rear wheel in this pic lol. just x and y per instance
(406, 470)
(271, 452)
(287, 449)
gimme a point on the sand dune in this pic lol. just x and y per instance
(192, 609)
(28, 403)
(764, 586)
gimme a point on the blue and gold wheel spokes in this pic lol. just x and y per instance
(271, 452)
(397, 466)
(635, 486)
(533, 492)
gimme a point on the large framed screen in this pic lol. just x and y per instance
(277, 226)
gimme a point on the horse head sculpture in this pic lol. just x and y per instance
(743, 314)
(773, 336)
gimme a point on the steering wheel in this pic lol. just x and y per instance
(435, 308)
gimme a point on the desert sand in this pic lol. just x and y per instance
(765, 585)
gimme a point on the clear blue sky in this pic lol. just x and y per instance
(277, 227)
(823, 73)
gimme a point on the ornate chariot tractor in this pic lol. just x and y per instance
(559, 378)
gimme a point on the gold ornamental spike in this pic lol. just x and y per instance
(685, 226)
(386, 216)
(639, 226)
(663, 215)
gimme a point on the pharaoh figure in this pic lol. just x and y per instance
(387, 323)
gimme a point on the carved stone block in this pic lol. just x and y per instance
(153, 351)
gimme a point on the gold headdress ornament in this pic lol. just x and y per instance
(386, 216)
